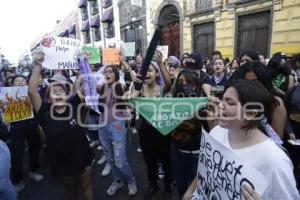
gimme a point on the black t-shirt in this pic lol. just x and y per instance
(68, 149)
(187, 135)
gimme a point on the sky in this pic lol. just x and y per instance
(23, 21)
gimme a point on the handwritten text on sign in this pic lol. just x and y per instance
(16, 105)
(221, 173)
(111, 56)
(60, 53)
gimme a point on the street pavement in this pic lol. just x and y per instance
(50, 189)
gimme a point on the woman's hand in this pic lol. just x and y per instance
(292, 136)
(39, 58)
(137, 78)
(249, 194)
(187, 195)
(159, 57)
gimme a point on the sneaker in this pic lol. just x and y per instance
(101, 160)
(161, 173)
(133, 130)
(117, 184)
(35, 176)
(107, 169)
(139, 150)
(99, 148)
(132, 188)
(94, 143)
(19, 187)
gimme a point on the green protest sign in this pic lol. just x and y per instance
(92, 53)
(165, 114)
(129, 49)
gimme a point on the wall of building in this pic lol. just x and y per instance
(286, 27)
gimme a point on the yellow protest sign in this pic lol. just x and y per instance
(15, 104)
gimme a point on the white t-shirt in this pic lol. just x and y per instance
(267, 158)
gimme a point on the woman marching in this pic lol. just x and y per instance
(155, 146)
(113, 134)
(243, 130)
(69, 154)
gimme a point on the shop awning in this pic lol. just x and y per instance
(108, 16)
(85, 26)
(82, 3)
(95, 22)
(72, 29)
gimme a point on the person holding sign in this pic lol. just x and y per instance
(243, 131)
(69, 154)
(24, 130)
(155, 147)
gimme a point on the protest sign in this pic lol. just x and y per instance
(60, 53)
(165, 114)
(16, 105)
(221, 173)
(129, 48)
(88, 84)
(164, 50)
(111, 56)
(92, 54)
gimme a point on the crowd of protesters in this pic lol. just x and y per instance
(271, 82)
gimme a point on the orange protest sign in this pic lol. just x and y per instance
(111, 56)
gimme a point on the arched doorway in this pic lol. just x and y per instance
(170, 31)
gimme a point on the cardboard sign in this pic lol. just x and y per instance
(129, 48)
(165, 114)
(92, 54)
(164, 50)
(16, 105)
(60, 53)
(111, 56)
(221, 173)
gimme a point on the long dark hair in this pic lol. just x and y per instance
(255, 93)
(263, 76)
(117, 88)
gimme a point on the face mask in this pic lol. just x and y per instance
(25, 74)
(191, 65)
(185, 90)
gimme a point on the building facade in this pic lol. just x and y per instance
(99, 23)
(230, 26)
(133, 23)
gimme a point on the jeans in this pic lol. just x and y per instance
(113, 140)
(7, 191)
(184, 168)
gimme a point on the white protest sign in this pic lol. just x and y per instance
(136, 3)
(60, 53)
(164, 50)
(129, 48)
(16, 105)
(221, 173)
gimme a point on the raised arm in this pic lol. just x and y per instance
(34, 96)
(164, 72)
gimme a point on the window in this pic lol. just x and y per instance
(203, 37)
(96, 34)
(94, 7)
(84, 13)
(109, 31)
(106, 3)
(87, 37)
